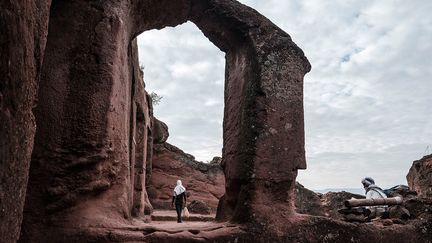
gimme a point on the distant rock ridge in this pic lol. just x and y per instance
(187, 158)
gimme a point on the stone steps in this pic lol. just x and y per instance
(170, 215)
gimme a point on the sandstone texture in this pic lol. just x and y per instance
(23, 30)
(89, 158)
(203, 182)
(420, 177)
(317, 204)
(94, 139)
(160, 131)
(307, 201)
(198, 206)
(98, 157)
(332, 201)
(419, 208)
(299, 229)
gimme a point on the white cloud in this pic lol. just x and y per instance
(188, 71)
(367, 99)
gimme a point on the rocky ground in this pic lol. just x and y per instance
(206, 185)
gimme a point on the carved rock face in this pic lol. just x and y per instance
(94, 120)
(23, 29)
(94, 134)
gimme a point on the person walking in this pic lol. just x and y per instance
(178, 197)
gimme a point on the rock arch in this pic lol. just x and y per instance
(91, 96)
(263, 117)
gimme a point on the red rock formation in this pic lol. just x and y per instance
(160, 131)
(89, 160)
(23, 29)
(200, 207)
(94, 139)
(307, 201)
(332, 201)
(420, 177)
(204, 182)
(88, 164)
(419, 208)
(263, 137)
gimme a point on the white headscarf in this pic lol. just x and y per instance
(179, 189)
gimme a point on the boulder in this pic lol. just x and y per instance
(200, 207)
(307, 201)
(398, 212)
(420, 177)
(332, 201)
(160, 131)
(419, 208)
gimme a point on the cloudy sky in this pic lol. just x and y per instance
(368, 98)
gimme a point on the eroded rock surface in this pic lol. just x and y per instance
(420, 177)
(160, 131)
(332, 201)
(92, 145)
(200, 207)
(204, 182)
(23, 30)
(307, 201)
(89, 159)
(95, 132)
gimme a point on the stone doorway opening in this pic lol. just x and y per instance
(182, 67)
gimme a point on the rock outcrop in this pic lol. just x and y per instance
(23, 31)
(200, 207)
(307, 201)
(89, 158)
(94, 136)
(160, 131)
(95, 132)
(420, 177)
(419, 208)
(204, 182)
(332, 201)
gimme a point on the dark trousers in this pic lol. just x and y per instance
(179, 208)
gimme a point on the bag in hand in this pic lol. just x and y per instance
(186, 213)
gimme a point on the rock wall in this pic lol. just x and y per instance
(420, 177)
(88, 164)
(203, 182)
(23, 30)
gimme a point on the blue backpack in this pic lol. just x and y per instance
(390, 191)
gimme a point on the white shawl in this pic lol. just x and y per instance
(179, 189)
